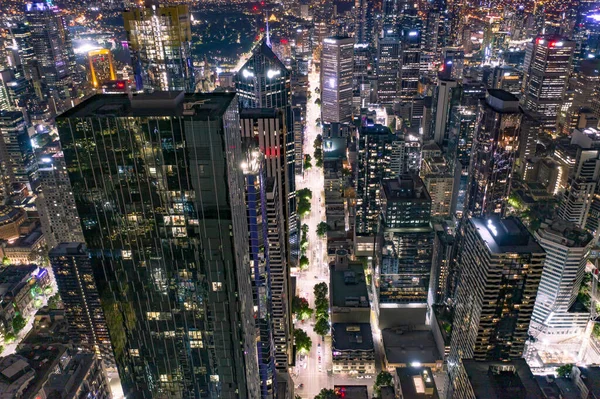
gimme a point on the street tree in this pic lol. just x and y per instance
(301, 308)
(18, 323)
(305, 193)
(303, 262)
(322, 229)
(303, 341)
(321, 290)
(326, 394)
(564, 370)
(383, 379)
(321, 327)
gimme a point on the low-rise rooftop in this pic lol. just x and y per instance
(352, 337)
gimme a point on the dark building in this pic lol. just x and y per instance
(17, 160)
(495, 149)
(500, 271)
(159, 189)
(77, 288)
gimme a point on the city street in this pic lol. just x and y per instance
(312, 369)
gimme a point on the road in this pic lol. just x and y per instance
(311, 369)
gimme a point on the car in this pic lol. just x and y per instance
(300, 386)
(319, 345)
(316, 276)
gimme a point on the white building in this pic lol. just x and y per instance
(337, 69)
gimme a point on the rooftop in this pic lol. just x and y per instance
(68, 248)
(351, 391)
(352, 336)
(417, 383)
(349, 288)
(500, 380)
(408, 347)
(405, 187)
(160, 103)
(507, 235)
(565, 233)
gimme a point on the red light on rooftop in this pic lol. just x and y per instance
(120, 85)
(284, 41)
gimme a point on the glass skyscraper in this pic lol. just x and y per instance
(159, 189)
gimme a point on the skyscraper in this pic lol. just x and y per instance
(442, 109)
(17, 160)
(336, 79)
(405, 270)
(501, 267)
(374, 165)
(53, 49)
(101, 67)
(56, 203)
(410, 63)
(547, 67)
(264, 127)
(583, 179)
(388, 66)
(494, 152)
(159, 39)
(77, 288)
(163, 212)
(263, 84)
(567, 248)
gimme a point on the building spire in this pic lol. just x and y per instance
(268, 36)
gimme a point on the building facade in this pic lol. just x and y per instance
(163, 216)
(337, 68)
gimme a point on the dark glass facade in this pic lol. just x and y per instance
(159, 189)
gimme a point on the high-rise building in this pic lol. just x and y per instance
(263, 83)
(56, 203)
(442, 109)
(500, 267)
(548, 63)
(531, 128)
(405, 269)
(374, 165)
(507, 78)
(583, 179)
(586, 91)
(567, 248)
(101, 67)
(260, 267)
(17, 160)
(388, 67)
(494, 152)
(406, 154)
(439, 180)
(410, 63)
(49, 38)
(337, 68)
(264, 127)
(159, 39)
(77, 288)
(164, 219)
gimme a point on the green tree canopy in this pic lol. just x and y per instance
(326, 394)
(303, 341)
(321, 290)
(383, 379)
(564, 370)
(304, 193)
(18, 323)
(301, 308)
(321, 327)
(303, 262)
(322, 229)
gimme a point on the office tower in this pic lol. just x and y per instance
(298, 128)
(500, 270)
(264, 82)
(389, 11)
(17, 160)
(388, 67)
(53, 49)
(264, 127)
(74, 276)
(406, 154)
(260, 270)
(410, 63)
(547, 67)
(494, 152)
(374, 164)
(55, 202)
(567, 248)
(443, 265)
(160, 196)
(531, 129)
(436, 29)
(442, 109)
(439, 181)
(336, 79)
(363, 25)
(453, 62)
(586, 91)
(159, 39)
(101, 67)
(507, 78)
(583, 178)
(405, 269)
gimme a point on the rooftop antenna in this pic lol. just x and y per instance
(268, 36)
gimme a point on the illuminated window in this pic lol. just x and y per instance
(218, 286)
(134, 352)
